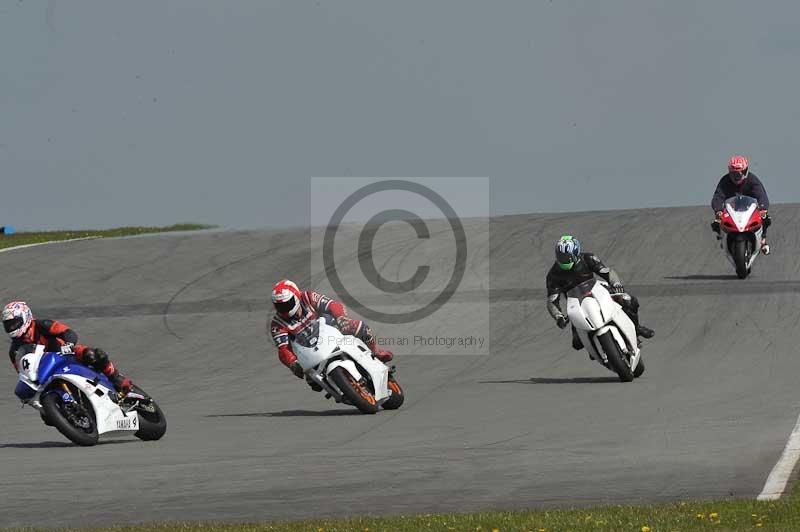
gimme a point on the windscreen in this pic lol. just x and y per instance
(309, 335)
(740, 203)
(583, 290)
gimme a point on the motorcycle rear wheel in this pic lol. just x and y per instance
(53, 407)
(615, 357)
(355, 392)
(152, 425)
(639, 369)
(397, 398)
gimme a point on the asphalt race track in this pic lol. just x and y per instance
(531, 424)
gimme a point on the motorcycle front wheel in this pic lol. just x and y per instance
(74, 420)
(356, 393)
(740, 257)
(615, 358)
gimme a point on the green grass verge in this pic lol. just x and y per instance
(20, 239)
(729, 515)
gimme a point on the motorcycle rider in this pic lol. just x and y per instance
(740, 180)
(24, 329)
(571, 268)
(294, 309)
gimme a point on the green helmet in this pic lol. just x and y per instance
(568, 252)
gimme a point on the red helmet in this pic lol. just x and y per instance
(286, 298)
(738, 168)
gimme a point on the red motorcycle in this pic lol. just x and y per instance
(739, 232)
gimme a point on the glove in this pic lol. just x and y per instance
(617, 288)
(297, 369)
(718, 215)
(342, 322)
(764, 214)
(67, 349)
(562, 322)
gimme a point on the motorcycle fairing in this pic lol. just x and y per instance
(593, 312)
(109, 416)
(39, 369)
(325, 348)
(741, 219)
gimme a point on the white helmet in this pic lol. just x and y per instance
(17, 318)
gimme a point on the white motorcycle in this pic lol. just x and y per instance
(741, 233)
(345, 368)
(81, 403)
(607, 333)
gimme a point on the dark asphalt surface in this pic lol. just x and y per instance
(530, 423)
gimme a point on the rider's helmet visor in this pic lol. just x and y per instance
(738, 176)
(285, 307)
(12, 324)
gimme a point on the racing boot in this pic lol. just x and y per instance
(765, 247)
(577, 345)
(644, 332)
(122, 383)
(631, 308)
(381, 354)
(97, 359)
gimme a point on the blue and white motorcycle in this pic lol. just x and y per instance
(81, 403)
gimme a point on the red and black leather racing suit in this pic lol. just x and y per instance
(54, 335)
(312, 306)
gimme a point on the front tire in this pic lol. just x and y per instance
(397, 398)
(56, 415)
(740, 256)
(615, 358)
(355, 392)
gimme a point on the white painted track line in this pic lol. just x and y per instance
(36, 244)
(779, 476)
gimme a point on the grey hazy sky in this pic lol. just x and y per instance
(156, 112)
